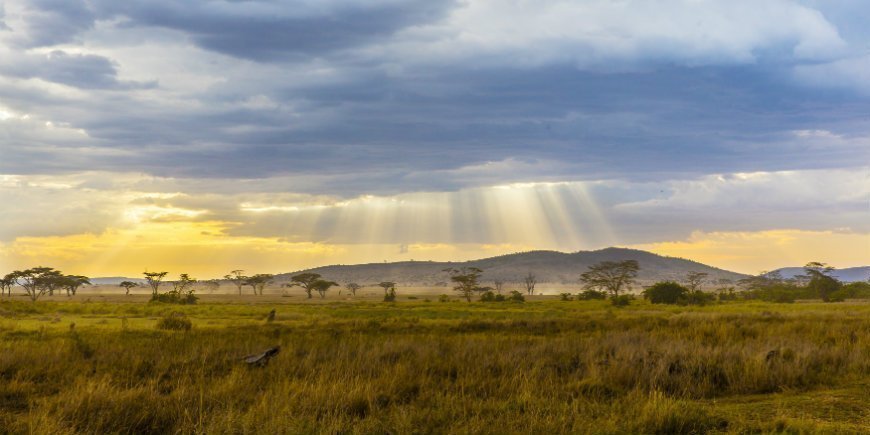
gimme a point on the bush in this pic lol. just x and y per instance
(666, 292)
(516, 297)
(589, 295)
(390, 296)
(857, 290)
(780, 293)
(727, 294)
(566, 297)
(443, 298)
(621, 300)
(174, 321)
(489, 296)
(697, 298)
(838, 295)
(174, 297)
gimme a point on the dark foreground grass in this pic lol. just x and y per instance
(418, 367)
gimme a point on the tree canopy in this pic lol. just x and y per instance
(612, 276)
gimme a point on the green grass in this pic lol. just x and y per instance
(545, 366)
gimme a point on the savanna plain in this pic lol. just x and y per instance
(99, 364)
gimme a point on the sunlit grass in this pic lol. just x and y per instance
(544, 366)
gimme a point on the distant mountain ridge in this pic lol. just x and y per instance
(848, 274)
(114, 280)
(548, 267)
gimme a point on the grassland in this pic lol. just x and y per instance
(418, 366)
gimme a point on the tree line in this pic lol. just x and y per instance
(607, 279)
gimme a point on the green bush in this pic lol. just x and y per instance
(390, 296)
(174, 297)
(516, 297)
(621, 300)
(589, 295)
(489, 296)
(666, 292)
(857, 290)
(566, 297)
(696, 298)
(174, 321)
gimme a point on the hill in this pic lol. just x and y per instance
(114, 280)
(849, 274)
(548, 267)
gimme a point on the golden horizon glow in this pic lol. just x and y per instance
(123, 229)
(754, 252)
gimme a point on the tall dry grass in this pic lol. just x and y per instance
(429, 368)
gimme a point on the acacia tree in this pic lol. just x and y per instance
(695, 280)
(6, 284)
(259, 281)
(321, 286)
(387, 286)
(52, 280)
(154, 279)
(128, 285)
(466, 281)
(36, 281)
(530, 280)
(821, 281)
(184, 284)
(72, 283)
(352, 287)
(306, 281)
(612, 276)
(238, 278)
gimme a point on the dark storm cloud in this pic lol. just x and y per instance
(331, 100)
(279, 30)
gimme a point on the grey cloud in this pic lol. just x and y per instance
(51, 22)
(285, 30)
(3, 25)
(380, 124)
(86, 71)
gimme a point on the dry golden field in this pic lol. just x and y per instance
(97, 363)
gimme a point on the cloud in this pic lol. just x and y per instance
(44, 23)
(85, 71)
(607, 35)
(843, 74)
(441, 96)
(282, 30)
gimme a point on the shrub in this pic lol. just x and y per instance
(857, 290)
(566, 297)
(443, 298)
(589, 295)
(838, 295)
(174, 297)
(727, 294)
(390, 296)
(174, 321)
(516, 297)
(666, 292)
(696, 298)
(621, 300)
(489, 296)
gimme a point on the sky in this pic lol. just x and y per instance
(205, 136)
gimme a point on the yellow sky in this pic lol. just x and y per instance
(203, 250)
